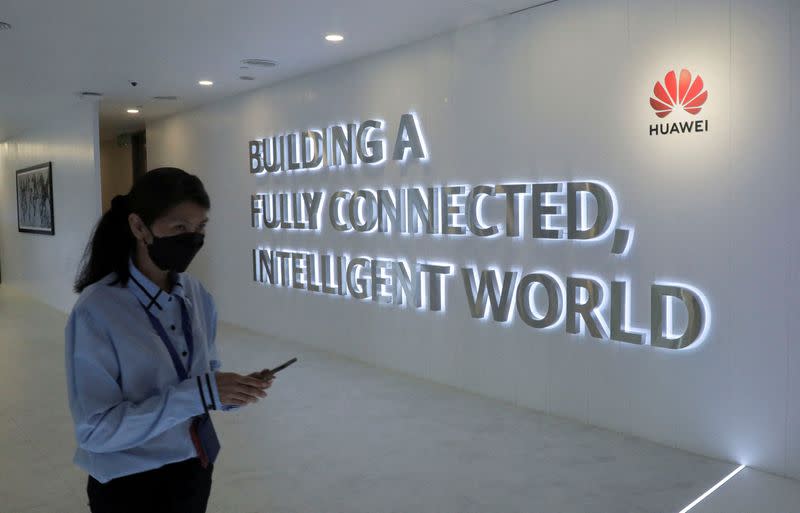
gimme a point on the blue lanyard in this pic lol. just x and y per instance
(186, 323)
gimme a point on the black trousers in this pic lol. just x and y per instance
(181, 487)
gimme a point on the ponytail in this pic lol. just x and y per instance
(112, 243)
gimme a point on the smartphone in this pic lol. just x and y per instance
(283, 366)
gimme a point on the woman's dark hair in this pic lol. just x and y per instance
(112, 242)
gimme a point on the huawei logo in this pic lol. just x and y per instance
(674, 93)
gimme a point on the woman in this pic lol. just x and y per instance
(142, 364)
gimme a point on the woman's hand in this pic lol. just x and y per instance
(264, 375)
(238, 390)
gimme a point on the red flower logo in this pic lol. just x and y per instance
(673, 94)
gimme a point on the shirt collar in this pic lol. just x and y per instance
(150, 294)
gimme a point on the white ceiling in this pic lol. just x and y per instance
(57, 48)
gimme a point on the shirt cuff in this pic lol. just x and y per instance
(207, 384)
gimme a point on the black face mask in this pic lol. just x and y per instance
(175, 253)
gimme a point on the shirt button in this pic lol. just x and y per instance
(185, 353)
(170, 299)
(172, 327)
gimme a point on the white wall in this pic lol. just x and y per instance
(44, 266)
(116, 171)
(559, 92)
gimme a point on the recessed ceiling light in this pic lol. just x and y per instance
(206, 83)
(334, 38)
(133, 111)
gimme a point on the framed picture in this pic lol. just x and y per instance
(35, 199)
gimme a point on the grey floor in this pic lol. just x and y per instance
(338, 436)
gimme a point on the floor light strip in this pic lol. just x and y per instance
(713, 489)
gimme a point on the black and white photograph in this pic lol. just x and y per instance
(35, 199)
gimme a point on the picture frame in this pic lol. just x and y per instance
(35, 212)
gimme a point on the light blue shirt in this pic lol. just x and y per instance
(131, 411)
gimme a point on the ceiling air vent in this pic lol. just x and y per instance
(264, 63)
(245, 77)
(4, 26)
(165, 98)
(90, 94)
